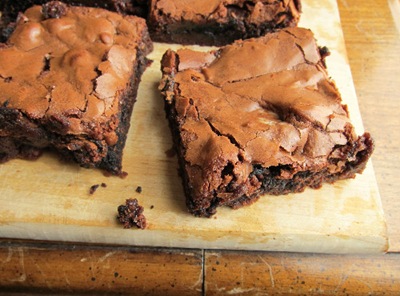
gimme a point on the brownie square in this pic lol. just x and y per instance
(217, 22)
(68, 81)
(259, 116)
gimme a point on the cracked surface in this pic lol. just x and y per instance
(70, 71)
(264, 103)
(217, 22)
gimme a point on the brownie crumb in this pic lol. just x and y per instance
(139, 189)
(123, 175)
(54, 9)
(93, 188)
(324, 51)
(131, 214)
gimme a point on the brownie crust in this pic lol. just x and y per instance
(77, 93)
(273, 123)
(217, 22)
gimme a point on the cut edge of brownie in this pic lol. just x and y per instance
(113, 161)
(355, 153)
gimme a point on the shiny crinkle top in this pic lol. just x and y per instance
(266, 101)
(73, 63)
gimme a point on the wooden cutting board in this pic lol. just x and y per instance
(50, 200)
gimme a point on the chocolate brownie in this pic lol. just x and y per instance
(217, 22)
(10, 9)
(259, 116)
(68, 81)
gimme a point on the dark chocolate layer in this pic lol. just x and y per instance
(258, 116)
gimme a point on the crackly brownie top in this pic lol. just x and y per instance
(254, 11)
(265, 101)
(69, 63)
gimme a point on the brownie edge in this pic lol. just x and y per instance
(270, 124)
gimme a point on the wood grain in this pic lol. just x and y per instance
(59, 268)
(373, 47)
(63, 268)
(264, 273)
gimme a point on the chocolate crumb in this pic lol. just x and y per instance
(54, 9)
(123, 175)
(131, 214)
(93, 188)
(151, 207)
(139, 189)
(104, 185)
(324, 51)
